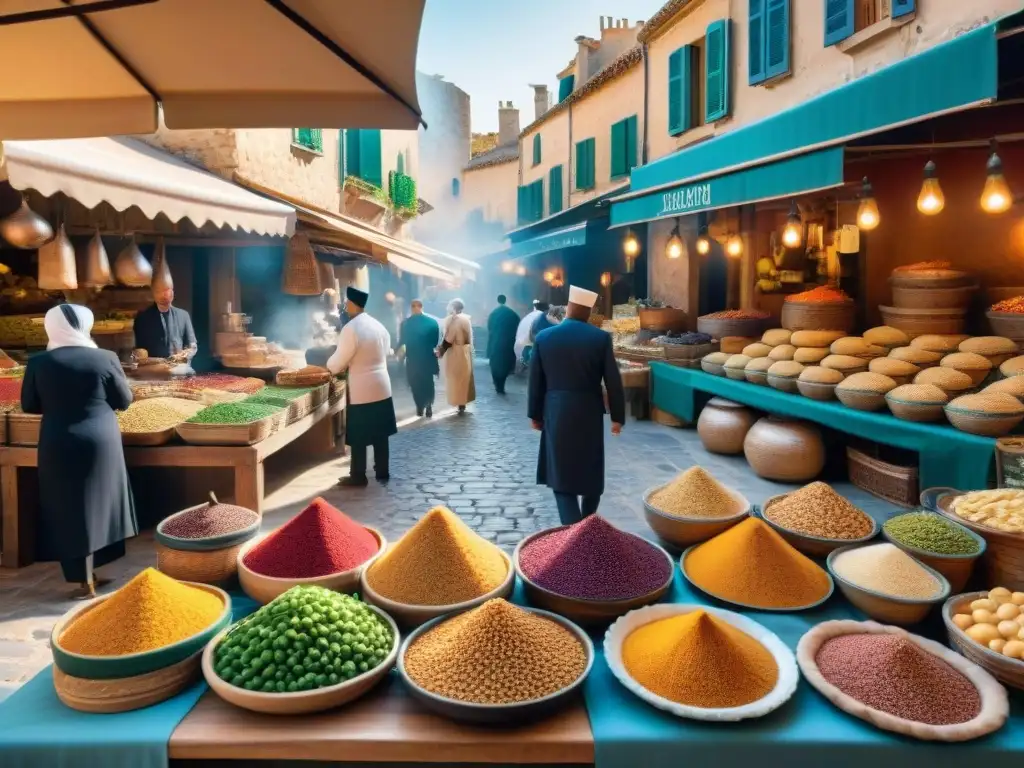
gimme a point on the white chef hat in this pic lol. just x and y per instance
(582, 297)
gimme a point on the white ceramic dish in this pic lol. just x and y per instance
(779, 695)
(995, 706)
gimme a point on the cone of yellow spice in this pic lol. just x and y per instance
(699, 660)
(149, 612)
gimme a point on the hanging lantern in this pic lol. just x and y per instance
(793, 234)
(734, 246)
(996, 197)
(301, 277)
(606, 279)
(507, 267)
(931, 200)
(97, 264)
(25, 228)
(630, 245)
(162, 279)
(867, 213)
(521, 270)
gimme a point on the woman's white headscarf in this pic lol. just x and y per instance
(69, 325)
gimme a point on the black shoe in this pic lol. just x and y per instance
(500, 391)
(354, 481)
(462, 409)
(419, 411)
(383, 478)
(430, 412)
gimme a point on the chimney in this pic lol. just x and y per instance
(602, 23)
(582, 62)
(541, 100)
(508, 124)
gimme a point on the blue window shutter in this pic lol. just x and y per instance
(352, 152)
(839, 20)
(756, 42)
(716, 85)
(521, 204)
(618, 149)
(555, 190)
(538, 200)
(581, 164)
(536, 149)
(455, 187)
(631, 139)
(341, 156)
(369, 156)
(777, 38)
(680, 118)
(565, 86)
(902, 8)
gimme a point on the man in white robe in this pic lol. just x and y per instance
(523, 331)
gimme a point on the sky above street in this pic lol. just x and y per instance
(493, 49)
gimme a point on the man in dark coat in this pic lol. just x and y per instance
(502, 324)
(419, 334)
(164, 330)
(570, 362)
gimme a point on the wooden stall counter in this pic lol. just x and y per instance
(386, 726)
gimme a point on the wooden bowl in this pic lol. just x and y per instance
(681, 532)
(134, 664)
(301, 702)
(861, 399)
(263, 589)
(988, 425)
(956, 568)
(1009, 672)
(212, 566)
(910, 410)
(496, 714)
(149, 439)
(1007, 324)
(902, 611)
(784, 383)
(817, 390)
(127, 693)
(809, 606)
(721, 327)
(584, 611)
(411, 616)
(813, 546)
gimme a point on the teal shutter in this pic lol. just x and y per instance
(341, 156)
(555, 190)
(565, 86)
(777, 38)
(902, 8)
(716, 85)
(839, 20)
(521, 205)
(538, 200)
(756, 42)
(585, 164)
(455, 187)
(352, 152)
(400, 163)
(536, 149)
(618, 148)
(680, 117)
(369, 156)
(631, 143)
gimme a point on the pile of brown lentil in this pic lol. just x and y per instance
(212, 519)
(817, 510)
(695, 493)
(496, 654)
(155, 414)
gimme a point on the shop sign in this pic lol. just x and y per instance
(685, 200)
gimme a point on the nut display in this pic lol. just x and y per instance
(1001, 509)
(995, 622)
(155, 414)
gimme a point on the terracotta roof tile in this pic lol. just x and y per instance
(662, 17)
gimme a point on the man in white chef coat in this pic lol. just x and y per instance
(363, 348)
(523, 331)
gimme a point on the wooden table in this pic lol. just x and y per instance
(246, 463)
(386, 726)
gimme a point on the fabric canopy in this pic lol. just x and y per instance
(209, 63)
(566, 237)
(421, 268)
(125, 172)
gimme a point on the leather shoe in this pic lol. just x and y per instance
(353, 481)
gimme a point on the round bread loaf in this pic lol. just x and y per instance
(918, 393)
(716, 358)
(757, 349)
(965, 361)
(737, 361)
(989, 345)
(890, 366)
(1013, 367)
(949, 380)
(845, 363)
(866, 382)
(810, 355)
(776, 336)
(789, 369)
(815, 374)
(886, 336)
(815, 338)
(988, 403)
(919, 357)
(849, 345)
(934, 342)
(782, 352)
(760, 364)
(1011, 386)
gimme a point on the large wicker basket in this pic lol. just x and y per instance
(720, 327)
(932, 298)
(918, 322)
(213, 566)
(886, 481)
(1009, 672)
(301, 275)
(828, 316)
(1008, 324)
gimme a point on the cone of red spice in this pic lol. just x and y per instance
(320, 541)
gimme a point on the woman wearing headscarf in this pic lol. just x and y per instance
(86, 507)
(456, 351)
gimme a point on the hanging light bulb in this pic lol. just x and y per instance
(674, 247)
(521, 270)
(606, 279)
(867, 213)
(703, 242)
(507, 267)
(931, 200)
(996, 197)
(549, 276)
(734, 246)
(793, 234)
(630, 244)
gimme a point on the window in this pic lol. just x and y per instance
(555, 190)
(585, 164)
(686, 88)
(341, 157)
(536, 149)
(362, 150)
(565, 86)
(531, 202)
(718, 57)
(769, 42)
(623, 147)
(455, 187)
(311, 139)
(844, 18)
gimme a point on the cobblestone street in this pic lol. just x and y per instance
(481, 464)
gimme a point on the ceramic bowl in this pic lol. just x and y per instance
(956, 568)
(813, 546)
(681, 532)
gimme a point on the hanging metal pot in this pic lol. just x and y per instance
(57, 268)
(131, 268)
(161, 272)
(97, 264)
(25, 228)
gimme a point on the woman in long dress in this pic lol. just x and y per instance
(456, 351)
(86, 507)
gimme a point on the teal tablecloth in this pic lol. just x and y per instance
(806, 732)
(38, 731)
(948, 457)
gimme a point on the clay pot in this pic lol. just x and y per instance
(723, 425)
(783, 450)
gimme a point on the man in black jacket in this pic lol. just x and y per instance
(164, 330)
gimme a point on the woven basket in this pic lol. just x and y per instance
(688, 351)
(635, 378)
(23, 428)
(230, 434)
(919, 322)
(301, 275)
(1008, 324)
(662, 318)
(719, 328)
(886, 481)
(784, 383)
(861, 399)
(150, 439)
(212, 566)
(932, 278)
(1009, 672)
(125, 693)
(302, 379)
(831, 316)
(932, 298)
(987, 425)
(787, 451)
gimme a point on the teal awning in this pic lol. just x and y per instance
(566, 237)
(794, 176)
(948, 77)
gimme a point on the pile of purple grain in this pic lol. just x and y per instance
(594, 560)
(209, 520)
(892, 674)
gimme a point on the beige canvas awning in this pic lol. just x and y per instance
(125, 172)
(209, 63)
(420, 267)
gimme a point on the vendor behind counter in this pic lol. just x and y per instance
(164, 330)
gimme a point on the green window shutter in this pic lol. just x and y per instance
(618, 149)
(538, 200)
(591, 169)
(902, 8)
(755, 42)
(369, 156)
(308, 138)
(565, 86)
(341, 156)
(777, 38)
(555, 190)
(536, 149)
(521, 205)
(585, 164)
(839, 20)
(400, 163)
(716, 84)
(352, 145)
(680, 118)
(631, 143)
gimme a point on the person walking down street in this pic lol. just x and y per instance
(549, 318)
(363, 348)
(523, 332)
(86, 505)
(566, 405)
(456, 351)
(502, 325)
(419, 336)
